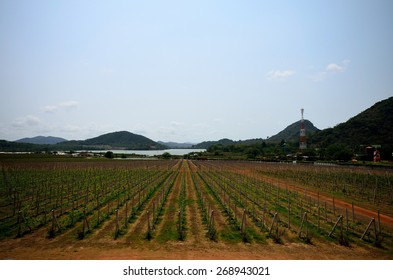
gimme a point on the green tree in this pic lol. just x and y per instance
(166, 155)
(108, 154)
(339, 152)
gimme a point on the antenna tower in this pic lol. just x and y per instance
(302, 139)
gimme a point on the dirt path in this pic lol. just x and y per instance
(184, 251)
(194, 221)
(338, 203)
(167, 228)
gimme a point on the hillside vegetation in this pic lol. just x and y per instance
(116, 140)
(371, 127)
(42, 140)
(291, 132)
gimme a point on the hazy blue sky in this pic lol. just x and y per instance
(189, 70)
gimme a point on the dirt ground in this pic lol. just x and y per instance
(37, 246)
(283, 184)
(101, 246)
(184, 251)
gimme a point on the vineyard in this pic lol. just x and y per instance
(202, 205)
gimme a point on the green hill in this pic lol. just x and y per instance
(207, 144)
(371, 127)
(292, 132)
(289, 134)
(42, 140)
(123, 140)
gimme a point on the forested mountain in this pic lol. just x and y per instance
(42, 140)
(207, 144)
(121, 140)
(371, 127)
(289, 134)
(292, 132)
(115, 140)
(175, 145)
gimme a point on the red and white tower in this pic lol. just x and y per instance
(302, 139)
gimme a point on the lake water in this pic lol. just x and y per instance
(150, 153)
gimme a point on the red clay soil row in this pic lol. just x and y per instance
(338, 203)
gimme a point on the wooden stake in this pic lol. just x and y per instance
(368, 227)
(126, 217)
(117, 221)
(19, 223)
(86, 220)
(263, 217)
(243, 226)
(53, 220)
(274, 220)
(353, 213)
(211, 224)
(334, 208)
(289, 215)
(304, 222)
(148, 223)
(335, 225)
(155, 212)
(379, 222)
(180, 226)
(346, 218)
(235, 213)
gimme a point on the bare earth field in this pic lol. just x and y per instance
(40, 249)
(191, 188)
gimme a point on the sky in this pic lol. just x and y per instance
(189, 71)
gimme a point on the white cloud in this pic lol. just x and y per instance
(67, 105)
(27, 121)
(50, 108)
(176, 123)
(279, 74)
(331, 68)
(335, 67)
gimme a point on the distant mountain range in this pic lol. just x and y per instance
(370, 127)
(121, 140)
(42, 140)
(175, 145)
(289, 134)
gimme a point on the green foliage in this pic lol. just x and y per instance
(339, 152)
(109, 154)
(291, 132)
(166, 155)
(371, 127)
(123, 139)
(115, 140)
